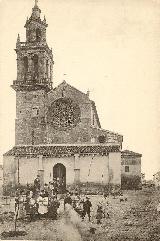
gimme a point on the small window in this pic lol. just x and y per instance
(25, 65)
(126, 168)
(35, 112)
(102, 139)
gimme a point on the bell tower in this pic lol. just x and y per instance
(34, 81)
(34, 57)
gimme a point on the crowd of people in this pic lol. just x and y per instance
(37, 203)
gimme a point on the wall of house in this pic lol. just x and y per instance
(131, 179)
(134, 164)
(9, 170)
(28, 169)
(92, 168)
(115, 167)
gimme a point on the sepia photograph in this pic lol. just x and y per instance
(79, 120)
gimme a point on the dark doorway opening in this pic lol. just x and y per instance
(59, 176)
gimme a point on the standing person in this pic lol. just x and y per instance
(105, 206)
(22, 200)
(68, 200)
(37, 184)
(17, 195)
(46, 189)
(55, 186)
(42, 204)
(87, 209)
(100, 214)
(33, 208)
(50, 188)
(53, 207)
(30, 205)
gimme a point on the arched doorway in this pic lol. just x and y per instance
(59, 175)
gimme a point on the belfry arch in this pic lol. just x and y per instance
(35, 66)
(38, 35)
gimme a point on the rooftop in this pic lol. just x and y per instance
(56, 150)
(130, 153)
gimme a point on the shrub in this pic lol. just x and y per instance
(130, 182)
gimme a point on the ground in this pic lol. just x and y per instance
(132, 220)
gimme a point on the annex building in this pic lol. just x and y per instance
(57, 130)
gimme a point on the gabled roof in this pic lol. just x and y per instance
(56, 150)
(64, 83)
(130, 153)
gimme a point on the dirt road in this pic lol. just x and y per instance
(132, 220)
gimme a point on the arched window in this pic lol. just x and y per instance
(25, 65)
(50, 71)
(29, 37)
(47, 68)
(32, 137)
(38, 35)
(35, 66)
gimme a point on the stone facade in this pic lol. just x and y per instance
(36, 98)
(34, 111)
(57, 130)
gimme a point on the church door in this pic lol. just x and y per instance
(59, 176)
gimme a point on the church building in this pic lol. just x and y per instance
(57, 130)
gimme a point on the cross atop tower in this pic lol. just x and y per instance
(36, 2)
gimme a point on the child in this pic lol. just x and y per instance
(100, 214)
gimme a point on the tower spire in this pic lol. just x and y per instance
(36, 11)
(18, 41)
(36, 3)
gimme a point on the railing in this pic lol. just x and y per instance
(35, 43)
(32, 82)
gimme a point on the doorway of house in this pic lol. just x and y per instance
(59, 175)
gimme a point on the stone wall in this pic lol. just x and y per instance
(33, 127)
(30, 126)
(87, 130)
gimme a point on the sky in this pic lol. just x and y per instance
(110, 47)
